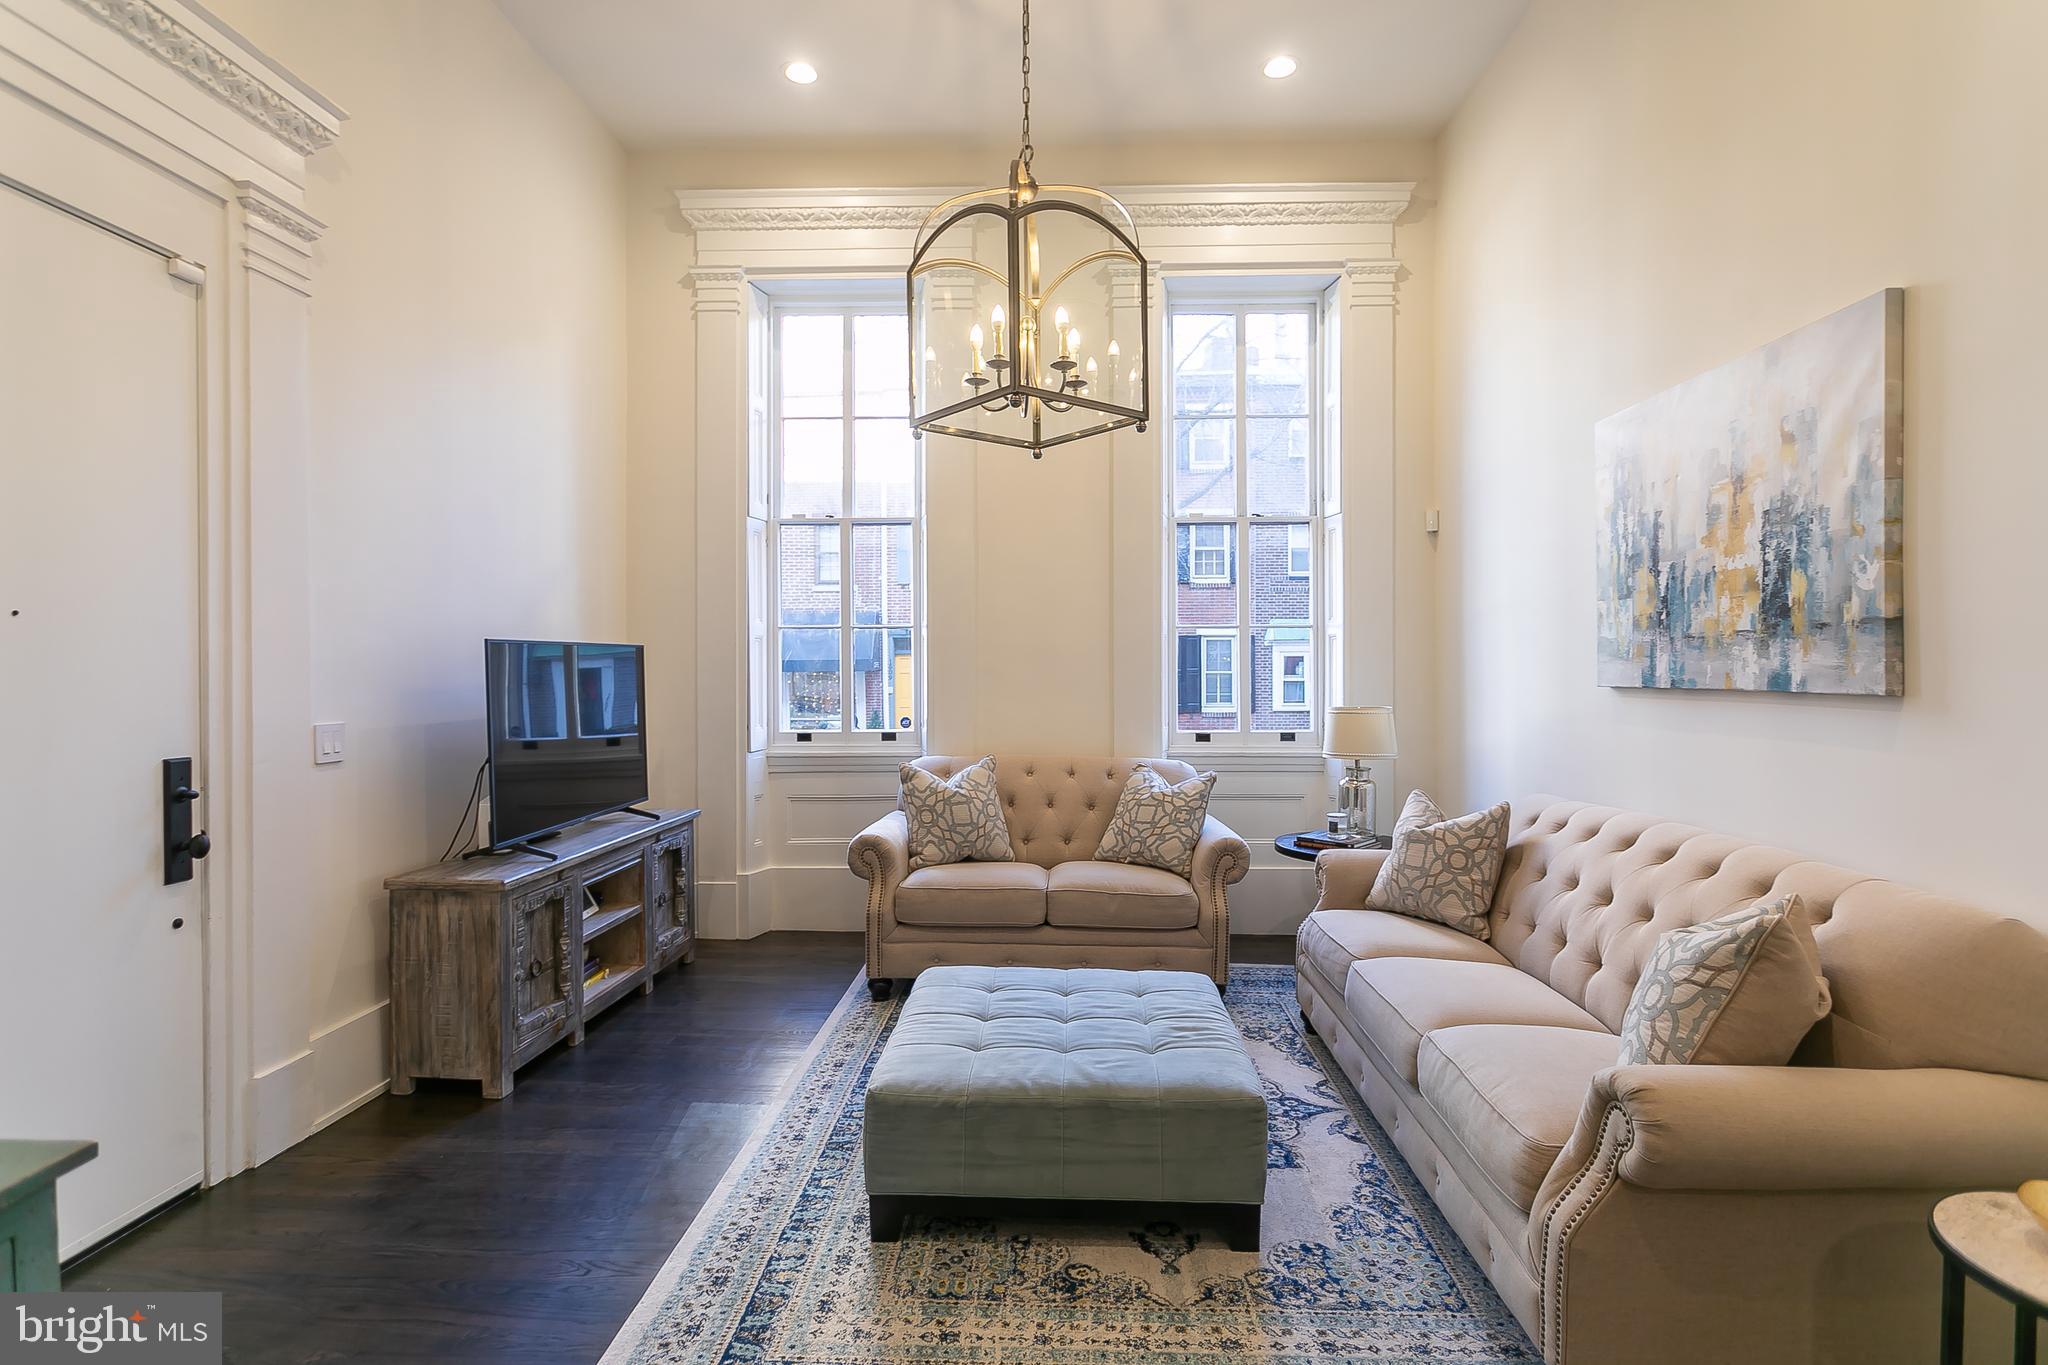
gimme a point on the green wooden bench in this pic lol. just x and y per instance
(28, 1211)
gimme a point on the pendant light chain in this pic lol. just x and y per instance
(1025, 150)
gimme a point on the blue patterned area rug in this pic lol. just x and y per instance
(1356, 1263)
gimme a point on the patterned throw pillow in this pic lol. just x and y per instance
(1741, 990)
(1157, 823)
(953, 821)
(1442, 869)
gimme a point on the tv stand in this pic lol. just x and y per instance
(488, 958)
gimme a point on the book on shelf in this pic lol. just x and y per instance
(599, 975)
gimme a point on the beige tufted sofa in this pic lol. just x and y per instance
(1054, 906)
(1688, 1213)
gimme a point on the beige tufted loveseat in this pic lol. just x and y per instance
(1688, 1213)
(1054, 906)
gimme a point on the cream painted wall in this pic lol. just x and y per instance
(1042, 562)
(1636, 193)
(466, 478)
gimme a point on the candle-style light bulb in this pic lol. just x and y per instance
(1059, 325)
(974, 341)
(1090, 371)
(995, 318)
(1114, 356)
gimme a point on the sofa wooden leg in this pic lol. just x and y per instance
(1241, 1226)
(885, 1217)
(879, 987)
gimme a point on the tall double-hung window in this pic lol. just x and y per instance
(847, 610)
(1246, 613)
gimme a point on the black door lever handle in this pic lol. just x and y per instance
(181, 844)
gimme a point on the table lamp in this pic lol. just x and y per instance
(1358, 733)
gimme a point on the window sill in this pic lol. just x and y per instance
(1234, 760)
(833, 758)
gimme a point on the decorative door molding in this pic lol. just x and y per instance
(166, 85)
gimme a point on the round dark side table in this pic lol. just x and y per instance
(1989, 1236)
(1289, 845)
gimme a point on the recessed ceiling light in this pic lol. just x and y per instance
(1279, 68)
(803, 73)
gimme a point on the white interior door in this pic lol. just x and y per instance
(100, 458)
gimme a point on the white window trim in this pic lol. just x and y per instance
(1193, 744)
(1294, 649)
(1195, 547)
(837, 558)
(1209, 466)
(1229, 704)
(832, 746)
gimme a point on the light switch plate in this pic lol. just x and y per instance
(328, 741)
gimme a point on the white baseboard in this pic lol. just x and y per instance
(343, 1066)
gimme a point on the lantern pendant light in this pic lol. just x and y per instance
(1030, 320)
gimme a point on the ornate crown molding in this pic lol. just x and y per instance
(815, 217)
(1155, 206)
(702, 275)
(1268, 213)
(1371, 270)
(212, 70)
(257, 203)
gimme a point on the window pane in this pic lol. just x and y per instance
(1300, 553)
(805, 597)
(1204, 478)
(810, 680)
(884, 457)
(813, 458)
(1277, 595)
(1204, 364)
(880, 353)
(1205, 682)
(881, 590)
(1276, 371)
(1281, 693)
(884, 680)
(1276, 465)
(813, 366)
(1205, 576)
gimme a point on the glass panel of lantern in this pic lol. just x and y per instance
(1061, 356)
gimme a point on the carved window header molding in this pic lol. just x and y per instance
(1177, 206)
(255, 98)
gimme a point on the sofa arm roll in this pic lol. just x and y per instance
(1818, 1128)
(1345, 875)
(881, 852)
(1220, 854)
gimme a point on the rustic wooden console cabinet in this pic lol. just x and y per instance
(488, 956)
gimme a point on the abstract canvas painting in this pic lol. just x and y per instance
(1749, 534)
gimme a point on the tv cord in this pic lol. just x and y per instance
(462, 828)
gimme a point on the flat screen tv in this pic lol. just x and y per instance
(567, 733)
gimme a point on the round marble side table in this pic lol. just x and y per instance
(1989, 1236)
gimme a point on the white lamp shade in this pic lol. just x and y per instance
(1359, 732)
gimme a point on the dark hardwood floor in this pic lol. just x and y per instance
(445, 1227)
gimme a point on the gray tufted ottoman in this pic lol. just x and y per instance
(1048, 1085)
